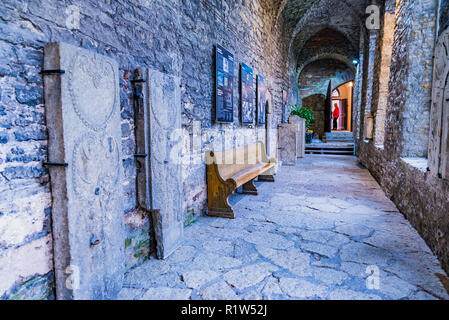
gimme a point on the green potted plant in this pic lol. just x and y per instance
(307, 114)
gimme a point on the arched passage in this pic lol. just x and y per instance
(313, 86)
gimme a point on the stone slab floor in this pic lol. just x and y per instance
(319, 232)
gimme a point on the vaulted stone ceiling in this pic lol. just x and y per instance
(304, 19)
(326, 44)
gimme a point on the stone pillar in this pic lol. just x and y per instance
(300, 136)
(287, 135)
(84, 151)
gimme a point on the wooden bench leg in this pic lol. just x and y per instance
(266, 178)
(218, 205)
(250, 188)
(217, 196)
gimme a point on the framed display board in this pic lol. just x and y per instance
(224, 101)
(246, 94)
(261, 99)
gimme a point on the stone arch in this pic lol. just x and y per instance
(324, 56)
(323, 70)
(348, 20)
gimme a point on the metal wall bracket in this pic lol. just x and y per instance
(55, 164)
(138, 81)
(52, 71)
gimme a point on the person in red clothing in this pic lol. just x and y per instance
(336, 115)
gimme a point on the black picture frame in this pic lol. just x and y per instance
(224, 89)
(261, 100)
(247, 109)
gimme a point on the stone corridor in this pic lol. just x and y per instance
(319, 232)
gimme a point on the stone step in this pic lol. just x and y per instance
(340, 135)
(330, 152)
(330, 148)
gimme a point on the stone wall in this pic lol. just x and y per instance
(314, 78)
(382, 74)
(172, 36)
(400, 166)
(317, 103)
(418, 22)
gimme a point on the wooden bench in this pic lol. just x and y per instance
(230, 169)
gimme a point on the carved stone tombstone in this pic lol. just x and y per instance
(159, 135)
(287, 143)
(83, 119)
(300, 135)
(439, 125)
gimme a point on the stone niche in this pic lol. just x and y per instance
(159, 179)
(84, 155)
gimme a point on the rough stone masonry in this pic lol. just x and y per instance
(278, 39)
(173, 37)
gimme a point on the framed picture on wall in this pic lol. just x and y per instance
(247, 94)
(224, 93)
(261, 99)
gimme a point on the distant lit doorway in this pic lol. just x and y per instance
(342, 107)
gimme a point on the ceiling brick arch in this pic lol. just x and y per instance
(325, 56)
(327, 42)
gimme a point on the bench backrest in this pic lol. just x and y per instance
(232, 161)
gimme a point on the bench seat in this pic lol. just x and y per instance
(230, 169)
(251, 173)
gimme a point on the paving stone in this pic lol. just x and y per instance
(317, 221)
(298, 288)
(345, 294)
(321, 249)
(252, 295)
(363, 253)
(250, 275)
(162, 293)
(270, 240)
(354, 269)
(222, 247)
(332, 250)
(327, 237)
(272, 288)
(394, 287)
(196, 279)
(143, 273)
(341, 203)
(354, 230)
(421, 295)
(182, 254)
(129, 294)
(419, 273)
(330, 276)
(323, 204)
(396, 242)
(294, 260)
(212, 261)
(219, 291)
